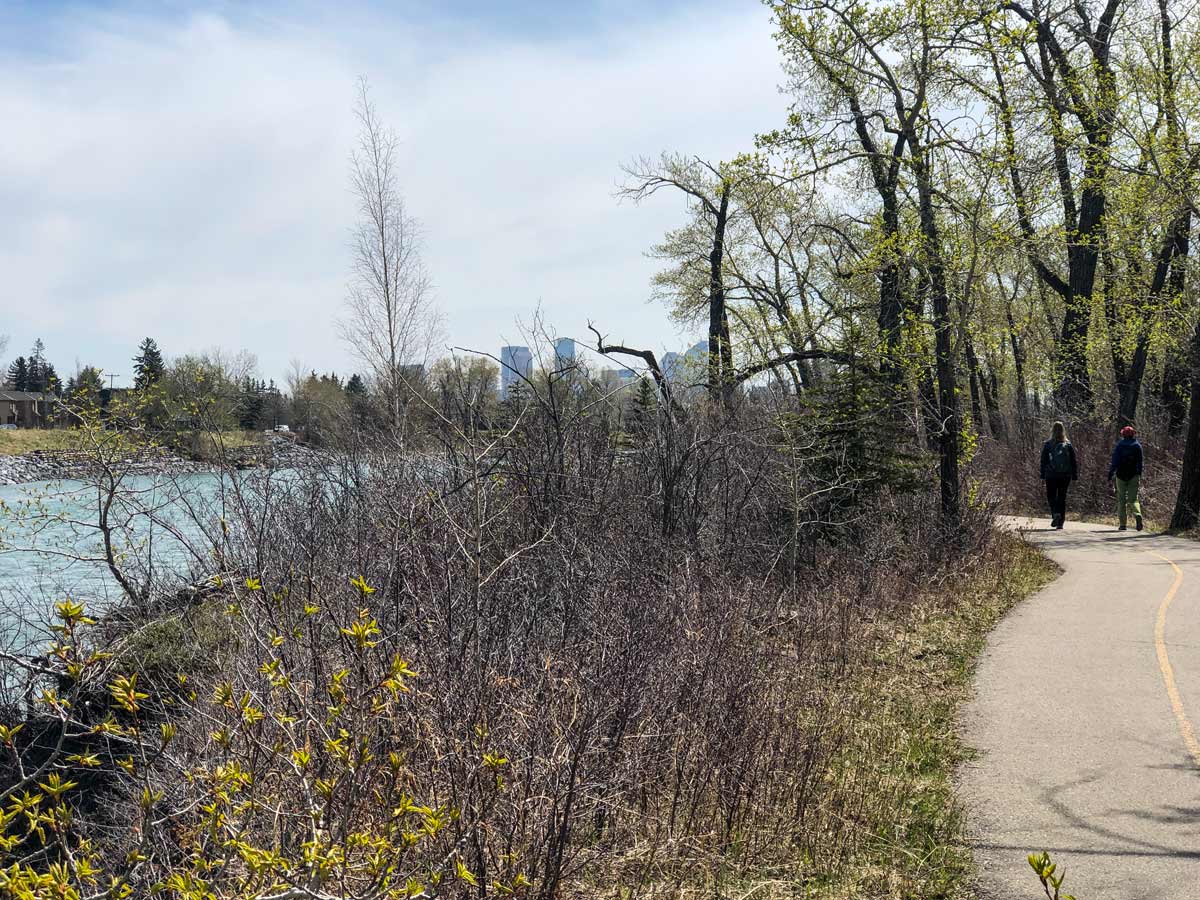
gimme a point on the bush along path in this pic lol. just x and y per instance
(1086, 700)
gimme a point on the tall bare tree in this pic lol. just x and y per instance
(390, 321)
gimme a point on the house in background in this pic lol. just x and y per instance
(23, 409)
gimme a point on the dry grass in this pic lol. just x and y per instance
(214, 446)
(910, 690)
(235, 439)
(891, 784)
(14, 442)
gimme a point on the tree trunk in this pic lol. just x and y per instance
(886, 176)
(1174, 384)
(719, 378)
(1187, 503)
(976, 406)
(928, 421)
(728, 385)
(1129, 388)
(991, 395)
(812, 371)
(1074, 388)
(1173, 394)
(947, 407)
(976, 381)
(947, 387)
(984, 387)
(1018, 352)
(891, 300)
(1175, 374)
(1129, 378)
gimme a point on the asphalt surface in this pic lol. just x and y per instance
(1085, 699)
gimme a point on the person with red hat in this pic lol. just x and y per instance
(1126, 467)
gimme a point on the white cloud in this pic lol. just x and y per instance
(187, 178)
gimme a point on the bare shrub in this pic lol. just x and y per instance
(572, 653)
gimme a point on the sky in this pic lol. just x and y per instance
(181, 170)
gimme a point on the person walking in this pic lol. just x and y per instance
(1059, 468)
(1126, 468)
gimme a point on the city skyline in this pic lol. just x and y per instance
(517, 362)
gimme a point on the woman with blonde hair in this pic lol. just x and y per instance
(1059, 468)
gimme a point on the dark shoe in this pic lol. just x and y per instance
(1121, 528)
(1059, 525)
(1138, 520)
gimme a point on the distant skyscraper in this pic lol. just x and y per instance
(611, 381)
(413, 374)
(564, 353)
(516, 364)
(670, 365)
(695, 363)
(686, 370)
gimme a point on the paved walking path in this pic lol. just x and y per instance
(1085, 702)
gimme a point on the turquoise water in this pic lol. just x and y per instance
(51, 547)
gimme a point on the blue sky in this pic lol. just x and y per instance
(526, 18)
(180, 169)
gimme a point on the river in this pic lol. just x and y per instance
(51, 548)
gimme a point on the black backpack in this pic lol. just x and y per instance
(1060, 458)
(1127, 460)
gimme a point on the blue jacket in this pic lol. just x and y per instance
(1126, 459)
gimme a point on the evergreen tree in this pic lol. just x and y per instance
(643, 408)
(361, 406)
(18, 374)
(250, 403)
(855, 445)
(148, 366)
(513, 403)
(52, 382)
(36, 381)
(274, 406)
(84, 388)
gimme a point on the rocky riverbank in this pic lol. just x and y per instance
(59, 465)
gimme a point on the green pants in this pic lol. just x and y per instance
(1127, 497)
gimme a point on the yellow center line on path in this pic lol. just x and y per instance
(1164, 663)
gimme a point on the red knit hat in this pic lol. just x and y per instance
(1128, 431)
